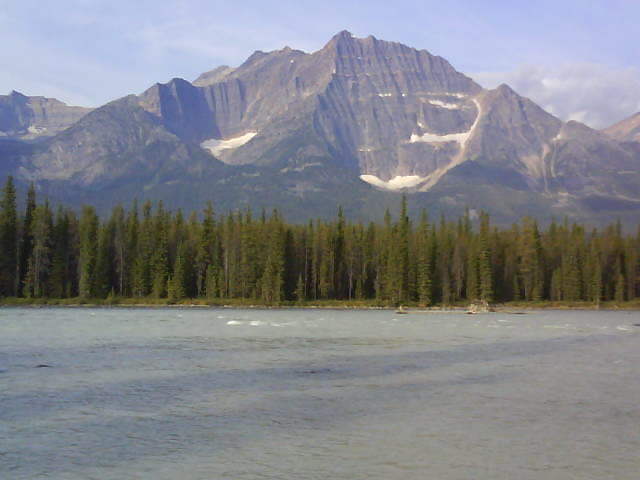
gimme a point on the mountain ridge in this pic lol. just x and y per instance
(627, 129)
(32, 117)
(360, 115)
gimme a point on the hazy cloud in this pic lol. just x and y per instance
(597, 95)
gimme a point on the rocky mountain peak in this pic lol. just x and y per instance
(626, 130)
(14, 94)
(343, 36)
(213, 76)
(24, 117)
(358, 112)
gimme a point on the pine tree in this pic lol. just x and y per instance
(300, 290)
(402, 252)
(424, 246)
(142, 268)
(326, 262)
(571, 271)
(160, 257)
(473, 273)
(26, 243)
(103, 285)
(8, 240)
(338, 245)
(121, 267)
(88, 251)
(59, 278)
(381, 266)
(39, 261)
(204, 256)
(272, 281)
(131, 250)
(484, 260)
(595, 273)
(249, 263)
(179, 277)
(530, 265)
(619, 289)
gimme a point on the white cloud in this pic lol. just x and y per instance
(597, 95)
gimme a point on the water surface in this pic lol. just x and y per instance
(318, 394)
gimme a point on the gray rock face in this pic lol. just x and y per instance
(626, 130)
(365, 98)
(117, 141)
(566, 161)
(359, 112)
(23, 117)
(586, 163)
(213, 76)
(383, 98)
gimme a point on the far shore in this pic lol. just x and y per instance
(510, 307)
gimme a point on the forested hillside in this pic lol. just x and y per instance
(148, 252)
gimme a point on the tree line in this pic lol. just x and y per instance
(150, 252)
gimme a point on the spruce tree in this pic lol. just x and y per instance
(40, 260)
(26, 243)
(103, 281)
(59, 279)
(8, 240)
(160, 257)
(131, 249)
(484, 260)
(120, 265)
(300, 290)
(88, 251)
(424, 257)
(179, 274)
(204, 254)
(402, 252)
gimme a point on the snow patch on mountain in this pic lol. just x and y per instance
(216, 146)
(448, 106)
(434, 177)
(461, 137)
(433, 138)
(396, 183)
(36, 130)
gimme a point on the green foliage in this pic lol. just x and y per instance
(39, 259)
(88, 252)
(164, 258)
(8, 239)
(26, 243)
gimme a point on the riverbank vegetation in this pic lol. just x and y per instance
(149, 255)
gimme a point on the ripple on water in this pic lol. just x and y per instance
(346, 395)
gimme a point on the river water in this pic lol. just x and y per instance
(318, 394)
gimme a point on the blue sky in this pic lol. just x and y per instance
(577, 58)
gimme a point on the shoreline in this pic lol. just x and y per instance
(509, 308)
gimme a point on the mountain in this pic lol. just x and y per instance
(351, 124)
(626, 130)
(23, 117)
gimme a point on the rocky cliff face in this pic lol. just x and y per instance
(117, 142)
(357, 118)
(388, 109)
(23, 117)
(627, 130)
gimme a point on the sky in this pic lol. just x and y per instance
(578, 59)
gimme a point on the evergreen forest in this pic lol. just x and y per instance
(148, 253)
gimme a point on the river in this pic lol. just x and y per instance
(318, 394)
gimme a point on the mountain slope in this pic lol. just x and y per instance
(23, 117)
(626, 130)
(350, 124)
